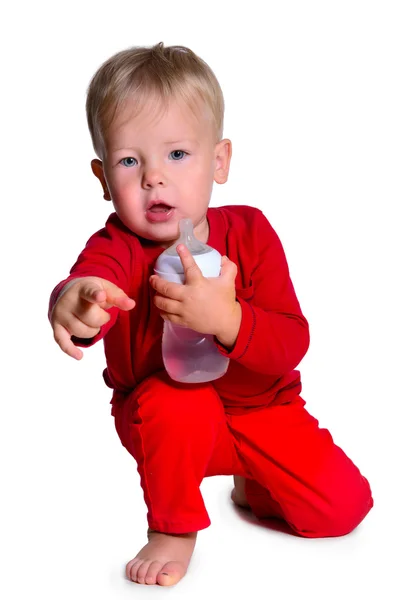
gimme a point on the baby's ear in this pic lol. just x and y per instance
(97, 168)
(223, 153)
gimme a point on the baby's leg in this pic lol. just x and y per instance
(297, 473)
(171, 430)
(238, 494)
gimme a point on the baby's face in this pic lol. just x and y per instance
(160, 168)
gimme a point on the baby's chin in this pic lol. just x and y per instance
(158, 235)
(163, 241)
(166, 234)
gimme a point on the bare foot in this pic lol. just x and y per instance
(238, 494)
(164, 560)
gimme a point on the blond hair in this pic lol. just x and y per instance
(158, 72)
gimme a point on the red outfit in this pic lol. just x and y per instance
(252, 421)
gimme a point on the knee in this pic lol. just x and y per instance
(341, 515)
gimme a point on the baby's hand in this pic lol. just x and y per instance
(81, 310)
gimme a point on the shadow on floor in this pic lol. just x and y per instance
(272, 523)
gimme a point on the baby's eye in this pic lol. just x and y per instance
(178, 154)
(129, 161)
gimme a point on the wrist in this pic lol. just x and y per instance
(228, 335)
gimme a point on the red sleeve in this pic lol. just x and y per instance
(274, 335)
(106, 255)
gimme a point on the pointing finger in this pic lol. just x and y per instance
(121, 301)
(93, 293)
(108, 296)
(117, 297)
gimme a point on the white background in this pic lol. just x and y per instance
(312, 108)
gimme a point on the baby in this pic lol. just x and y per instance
(156, 120)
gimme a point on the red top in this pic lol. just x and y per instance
(273, 336)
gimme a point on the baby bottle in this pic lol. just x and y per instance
(190, 356)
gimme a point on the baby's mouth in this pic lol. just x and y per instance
(160, 207)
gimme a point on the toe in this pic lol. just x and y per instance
(153, 571)
(132, 568)
(170, 573)
(142, 571)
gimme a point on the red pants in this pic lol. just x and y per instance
(179, 434)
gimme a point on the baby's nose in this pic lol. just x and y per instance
(152, 177)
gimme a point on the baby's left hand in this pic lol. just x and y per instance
(206, 305)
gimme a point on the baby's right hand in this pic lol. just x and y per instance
(81, 310)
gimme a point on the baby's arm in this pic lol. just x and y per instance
(81, 311)
(274, 334)
(106, 260)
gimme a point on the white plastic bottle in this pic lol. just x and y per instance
(189, 356)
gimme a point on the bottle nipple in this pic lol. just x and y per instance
(188, 238)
